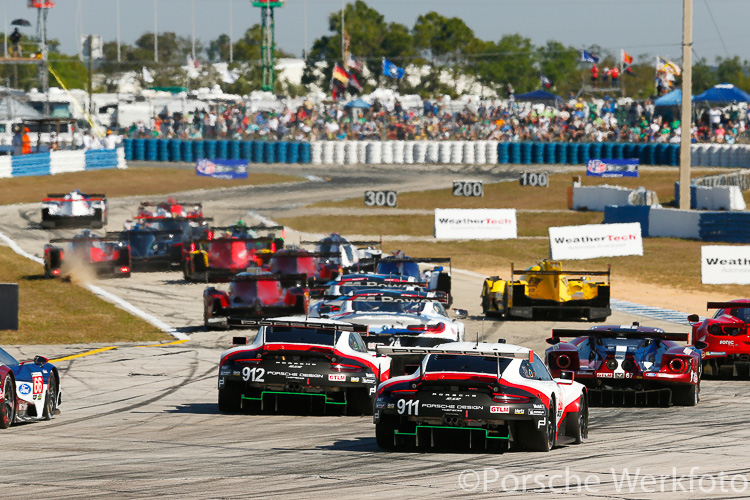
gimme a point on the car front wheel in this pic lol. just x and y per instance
(8, 408)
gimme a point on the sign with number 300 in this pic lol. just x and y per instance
(381, 199)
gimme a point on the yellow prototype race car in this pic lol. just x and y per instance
(545, 291)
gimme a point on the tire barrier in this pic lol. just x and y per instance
(440, 152)
(279, 151)
(725, 227)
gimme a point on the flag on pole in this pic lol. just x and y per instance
(626, 58)
(390, 69)
(354, 83)
(354, 63)
(667, 66)
(587, 56)
(546, 83)
(147, 76)
(340, 75)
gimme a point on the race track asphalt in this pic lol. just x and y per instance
(142, 421)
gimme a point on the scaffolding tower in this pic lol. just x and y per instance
(268, 42)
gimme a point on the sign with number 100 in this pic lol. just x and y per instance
(534, 179)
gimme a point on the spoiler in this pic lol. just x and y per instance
(87, 238)
(727, 305)
(306, 324)
(122, 235)
(249, 228)
(157, 203)
(385, 298)
(86, 197)
(271, 277)
(157, 218)
(425, 260)
(483, 352)
(247, 239)
(567, 273)
(304, 253)
(616, 333)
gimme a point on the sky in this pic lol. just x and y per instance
(639, 26)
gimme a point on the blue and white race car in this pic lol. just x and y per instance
(29, 390)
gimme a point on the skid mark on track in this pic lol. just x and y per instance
(668, 315)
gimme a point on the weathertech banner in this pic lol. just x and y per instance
(725, 265)
(222, 169)
(595, 240)
(482, 224)
(612, 168)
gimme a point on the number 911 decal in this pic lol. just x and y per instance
(408, 407)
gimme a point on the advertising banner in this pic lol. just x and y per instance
(221, 169)
(595, 240)
(725, 265)
(479, 224)
(612, 168)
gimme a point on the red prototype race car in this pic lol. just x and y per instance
(103, 255)
(628, 365)
(724, 338)
(255, 296)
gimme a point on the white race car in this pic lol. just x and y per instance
(495, 396)
(396, 317)
(74, 210)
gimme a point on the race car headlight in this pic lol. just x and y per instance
(612, 364)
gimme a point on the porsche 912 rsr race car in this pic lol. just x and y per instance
(545, 291)
(255, 296)
(494, 396)
(314, 365)
(105, 256)
(629, 365)
(724, 338)
(29, 390)
(399, 317)
(74, 210)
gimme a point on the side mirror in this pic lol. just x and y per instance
(40, 360)
(566, 377)
(461, 313)
(553, 340)
(693, 318)
(700, 345)
(239, 340)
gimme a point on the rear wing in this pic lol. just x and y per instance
(248, 228)
(617, 333)
(305, 253)
(481, 352)
(418, 260)
(271, 277)
(183, 203)
(342, 327)
(361, 243)
(125, 235)
(89, 239)
(86, 197)
(386, 298)
(156, 218)
(727, 305)
(607, 273)
(247, 239)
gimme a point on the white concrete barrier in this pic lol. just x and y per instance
(6, 167)
(673, 223)
(595, 198)
(719, 198)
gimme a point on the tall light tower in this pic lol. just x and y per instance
(43, 7)
(268, 42)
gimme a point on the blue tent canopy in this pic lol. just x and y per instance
(539, 96)
(724, 92)
(673, 98)
(357, 103)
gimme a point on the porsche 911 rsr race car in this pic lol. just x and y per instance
(105, 256)
(29, 390)
(628, 365)
(545, 291)
(398, 317)
(436, 279)
(494, 396)
(255, 296)
(74, 210)
(321, 364)
(724, 339)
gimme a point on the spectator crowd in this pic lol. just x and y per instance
(575, 120)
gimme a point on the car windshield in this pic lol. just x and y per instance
(290, 335)
(741, 313)
(400, 268)
(147, 243)
(387, 307)
(7, 359)
(466, 364)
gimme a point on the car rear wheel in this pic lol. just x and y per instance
(582, 422)
(542, 439)
(385, 432)
(686, 396)
(8, 408)
(229, 398)
(50, 404)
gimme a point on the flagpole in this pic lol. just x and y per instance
(193, 30)
(231, 35)
(304, 50)
(156, 32)
(119, 58)
(687, 103)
